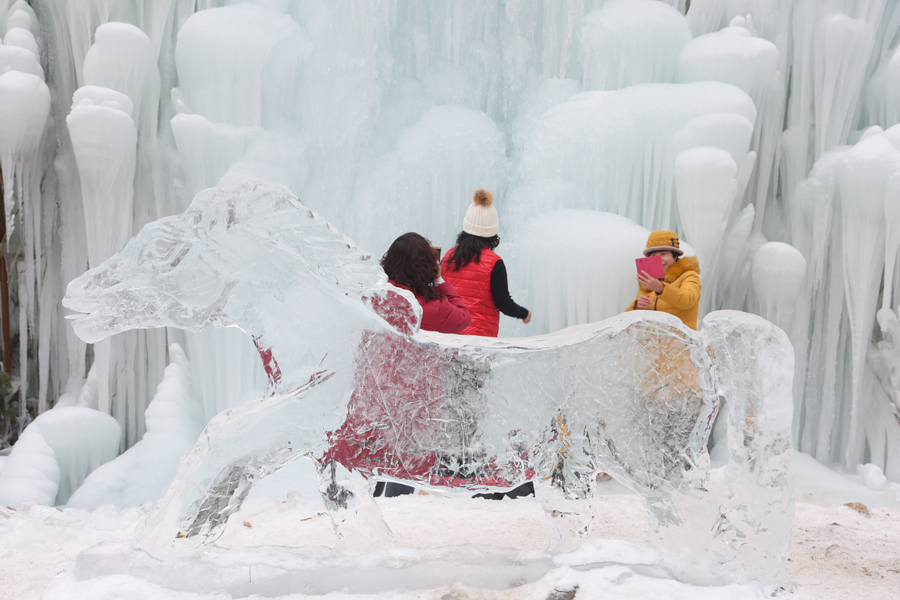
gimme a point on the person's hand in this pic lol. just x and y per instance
(644, 302)
(528, 318)
(650, 283)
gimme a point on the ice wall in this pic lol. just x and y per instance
(740, 124)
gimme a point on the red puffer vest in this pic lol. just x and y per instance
(473, 283)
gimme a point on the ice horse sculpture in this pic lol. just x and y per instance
(354, 386)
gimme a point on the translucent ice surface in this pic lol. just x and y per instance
(355, 386)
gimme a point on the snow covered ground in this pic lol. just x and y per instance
(445, 549)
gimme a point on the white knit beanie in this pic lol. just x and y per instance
(481, 218)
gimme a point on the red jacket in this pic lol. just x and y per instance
(474, 284)
(447, 314)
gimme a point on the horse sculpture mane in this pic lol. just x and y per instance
(356, 388)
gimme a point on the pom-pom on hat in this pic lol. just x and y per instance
(663, 240)
(481, 218)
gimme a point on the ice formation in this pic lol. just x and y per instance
(353, 386)
(56, 453)
(384, 115)
(143, 472)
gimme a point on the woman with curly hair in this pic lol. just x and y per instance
(478, 272)
(412, 263)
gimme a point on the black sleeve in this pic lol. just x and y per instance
(500, 290)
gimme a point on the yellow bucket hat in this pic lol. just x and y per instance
(663, 240)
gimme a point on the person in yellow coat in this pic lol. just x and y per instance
(678, 293)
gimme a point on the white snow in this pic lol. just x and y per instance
(278, 547)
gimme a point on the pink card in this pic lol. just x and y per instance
(652, 265)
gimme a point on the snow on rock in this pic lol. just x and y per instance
(174, 420)
(55, 453)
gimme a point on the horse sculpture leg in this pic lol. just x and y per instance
(238, 448)
(355, 516)
(563, 484)
(755, 523)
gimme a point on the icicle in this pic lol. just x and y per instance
(778, 271)
(104, 139)
(24, 107)
(862, 177)
(23, 346)
(706, 185)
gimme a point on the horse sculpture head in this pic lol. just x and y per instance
(235, 249)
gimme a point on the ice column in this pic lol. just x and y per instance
(862, 178)
(24, 108)
(820, 354)
(105, 139)
(706, 186)
(122, 59)
(882, 103)
(778, 272)
(733, 55)
(831, 52)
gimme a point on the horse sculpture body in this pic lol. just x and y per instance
(353, 385)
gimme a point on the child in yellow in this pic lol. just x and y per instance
(679, 292)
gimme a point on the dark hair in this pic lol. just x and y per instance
(412, 261)
(468, 248)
